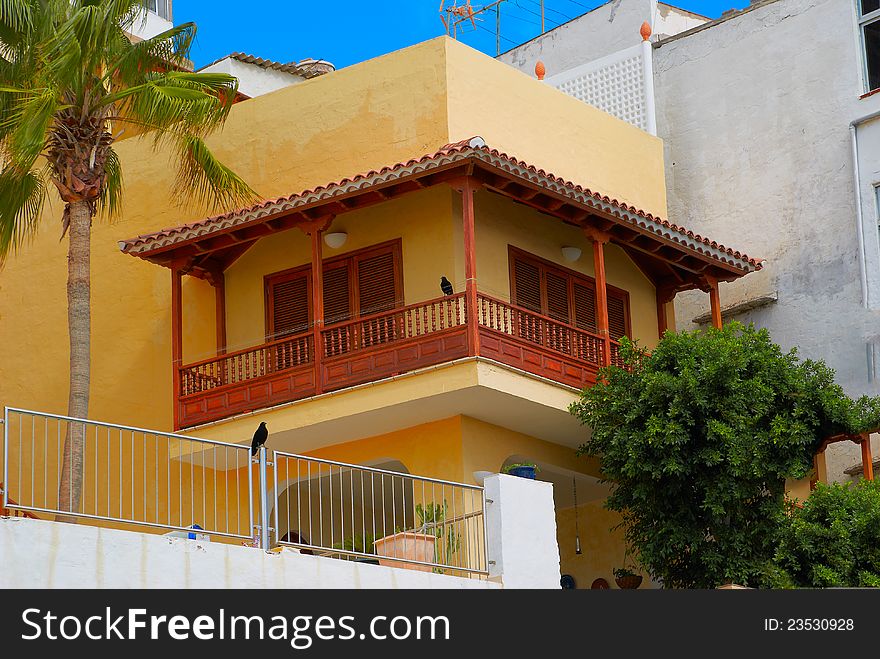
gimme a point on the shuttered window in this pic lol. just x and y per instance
(617, 316)
(337, 293)
(376, 287)
(584, 306)
(564, 295)
(527, 285)
(289, 305)
(361, 283)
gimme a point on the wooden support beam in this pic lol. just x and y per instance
(599, 240)
(867, 457)
(714, 301)
(466, 188)
(176, 336)
(664, 297)
(218, 281)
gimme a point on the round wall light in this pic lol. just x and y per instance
(335, 240)
(571, 254)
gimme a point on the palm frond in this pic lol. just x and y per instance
(29, 124)
(22, 195)
(202, 177)
(15, 15)
(110, 202)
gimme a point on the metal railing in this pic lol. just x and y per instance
(133, 476)
(128, 475)
(375, 515)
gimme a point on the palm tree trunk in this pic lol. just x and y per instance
(79, 321)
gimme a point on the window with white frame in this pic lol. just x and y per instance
(163, 8)
(869, 28)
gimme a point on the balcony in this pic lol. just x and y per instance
(311, 358)
(381, 345)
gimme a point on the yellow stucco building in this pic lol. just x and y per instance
(320, 310)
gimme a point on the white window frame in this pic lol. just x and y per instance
(159, 4)
(863, 21)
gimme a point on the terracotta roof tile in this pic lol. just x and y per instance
(307, 68)
(473, 148)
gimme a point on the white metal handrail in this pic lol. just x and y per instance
(129, 475)
(365, 513)
(140, 477)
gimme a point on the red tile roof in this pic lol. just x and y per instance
(474, 149)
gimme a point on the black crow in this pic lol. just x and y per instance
(260, 437)
(446, 286)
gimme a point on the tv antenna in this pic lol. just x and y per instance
(454, 15)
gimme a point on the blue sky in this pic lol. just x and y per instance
(345, 32)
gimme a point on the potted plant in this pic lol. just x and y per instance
(626, 578)
(430, 542)
(521, 469)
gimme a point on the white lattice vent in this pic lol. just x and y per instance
(614, 84)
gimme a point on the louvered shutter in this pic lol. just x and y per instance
(290, 306)
(527, 285)
(376, 289)
(337, 305)
(557, 297)
(584, 307)
(616, 316)
(377, 293)
(556, 336)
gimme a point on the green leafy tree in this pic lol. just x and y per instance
(71, 83)
(833, 539)
(698, 438)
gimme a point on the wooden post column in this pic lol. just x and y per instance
(599, 239)
(867, 458)
(217, 279)
(714, 301)
(664, 297)
(315, 230)
(470, 266)
(176, 336)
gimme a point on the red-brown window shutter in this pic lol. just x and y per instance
(617, 315)
(289, 303)
(527, 285)
(584, 306)
(337, 294)
(376, 283)
(557, 297)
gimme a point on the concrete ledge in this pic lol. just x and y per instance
(43, 554)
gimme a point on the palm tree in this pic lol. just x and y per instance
(72, 82)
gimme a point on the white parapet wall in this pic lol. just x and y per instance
(522, 551)
(521, 528)
(43, 554)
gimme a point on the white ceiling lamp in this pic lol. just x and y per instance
(335, 240)
(571, 254)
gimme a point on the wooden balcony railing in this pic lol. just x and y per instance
(399, 324)
(384, 344)
(540, 330)
(246, 365)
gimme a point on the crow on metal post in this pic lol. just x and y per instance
(260, 436)
(446, 286)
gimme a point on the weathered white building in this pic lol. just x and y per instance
(156, 18)
(772, 138)
(258, 76)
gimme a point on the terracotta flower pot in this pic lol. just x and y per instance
(406, 545)
(629, 581)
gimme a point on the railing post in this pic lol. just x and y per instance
(264, 501)
(5, 457)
